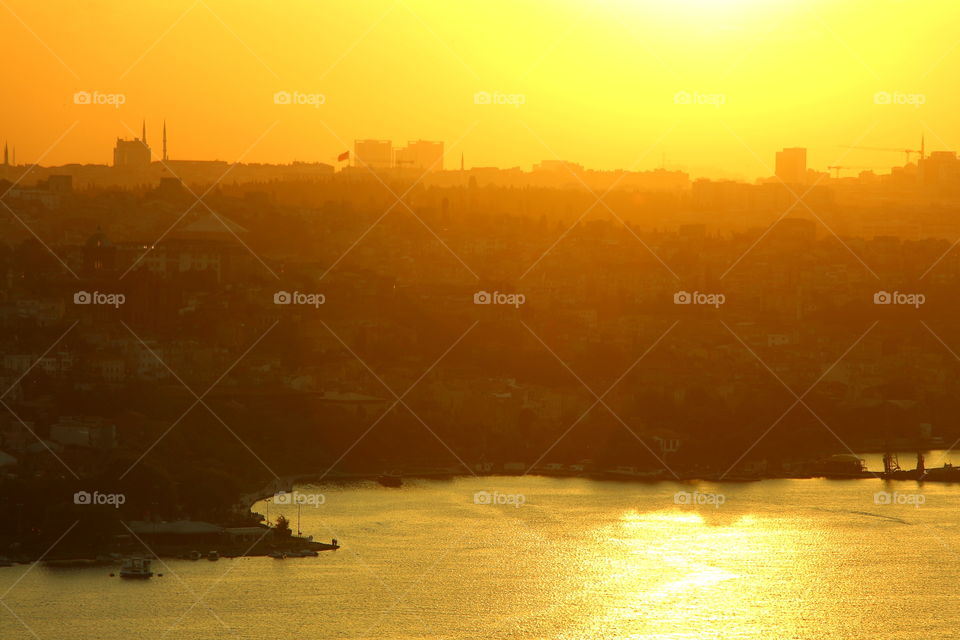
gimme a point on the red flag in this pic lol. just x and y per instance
(343, 156)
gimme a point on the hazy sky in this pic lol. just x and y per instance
(712, 86)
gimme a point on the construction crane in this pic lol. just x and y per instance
(919, 151)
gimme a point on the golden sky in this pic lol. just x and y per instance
(710, 86)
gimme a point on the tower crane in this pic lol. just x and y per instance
(920, 151)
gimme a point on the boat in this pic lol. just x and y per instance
(136, 568)
(892, 470)
(213, 556)
(946, 473)
(277, 555)
(308, 553)
(70, 563)
(843, 466)
(392, 479)
(194, 555)
(631, 473)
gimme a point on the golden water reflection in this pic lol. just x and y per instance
(675, 570)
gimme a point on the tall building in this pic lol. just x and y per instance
(375, 154)
(424, 155)
(132, 154)
(792, 165)
(940, 167)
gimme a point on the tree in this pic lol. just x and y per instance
(283, 527)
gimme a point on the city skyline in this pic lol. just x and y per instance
(823, 75)
(430, 156)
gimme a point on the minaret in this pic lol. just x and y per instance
(143, 135)
(164, 140)
(6, 155)
(461, 161)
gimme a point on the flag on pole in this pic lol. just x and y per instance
(343, 156)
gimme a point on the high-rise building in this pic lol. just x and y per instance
(940, 167)
(132, 154)
(424, 155)
(792, 165)
(375, 154)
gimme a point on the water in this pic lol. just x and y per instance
(812, 558)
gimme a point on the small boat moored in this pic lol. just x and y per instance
(136, 568)
(391, 479)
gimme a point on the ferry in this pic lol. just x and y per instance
(392, 479)
(946, 473)
(136, 568)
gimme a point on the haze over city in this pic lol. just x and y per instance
(421, 319)
(598, 80)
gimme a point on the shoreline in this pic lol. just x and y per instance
(601, 476)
